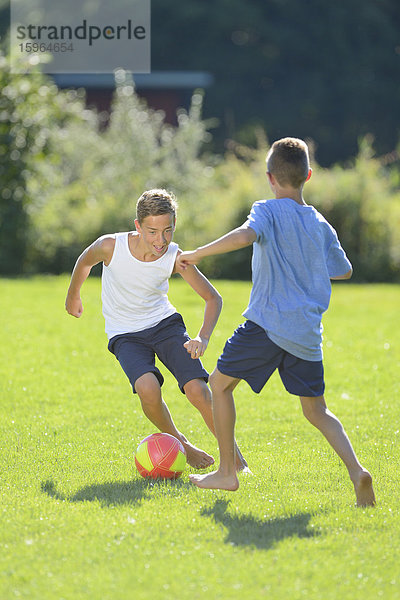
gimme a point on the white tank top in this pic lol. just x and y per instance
(134, 292)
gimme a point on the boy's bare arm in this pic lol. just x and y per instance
(234, 240)
(100, 251)
(213, 305)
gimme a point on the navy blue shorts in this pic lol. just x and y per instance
(136, 352)
(250, 355)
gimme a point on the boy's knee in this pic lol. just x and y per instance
(148, 389)
(313, 408)
(309, 414)
(215, 380)
(220, 382)
(197, 392)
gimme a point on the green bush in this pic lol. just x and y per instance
(35, 119)
(237, 182)
(65, 180)
(362, 202)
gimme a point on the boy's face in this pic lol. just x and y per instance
(157, 233)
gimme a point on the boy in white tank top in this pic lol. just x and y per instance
(141, 323)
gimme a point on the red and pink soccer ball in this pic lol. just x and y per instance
(160, 455)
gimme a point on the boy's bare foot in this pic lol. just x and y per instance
(216, 481)
(197, 458)
(364, 490)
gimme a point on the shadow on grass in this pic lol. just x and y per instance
(245, 530)
(116, 492)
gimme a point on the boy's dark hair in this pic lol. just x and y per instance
(288, 161)
(156, 202)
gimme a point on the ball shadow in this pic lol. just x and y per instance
(116, 492)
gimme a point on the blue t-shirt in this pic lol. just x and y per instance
(294, 256)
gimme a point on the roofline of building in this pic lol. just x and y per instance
(154, 80)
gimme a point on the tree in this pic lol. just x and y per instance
(65, 181)
(32, 110)
(312, 69)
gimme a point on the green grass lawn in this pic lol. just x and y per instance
(78, 522)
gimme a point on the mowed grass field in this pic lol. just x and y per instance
(78, 522)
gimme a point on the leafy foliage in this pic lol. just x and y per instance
(66, 179)
(291, 67)
(361, 200)
(33, 114)
(362, 203)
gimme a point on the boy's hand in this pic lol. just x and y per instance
(74, 306)
(196, 347)
(187, 258)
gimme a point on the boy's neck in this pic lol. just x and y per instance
(292, 193)
(140, 250)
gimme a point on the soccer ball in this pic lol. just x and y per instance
(160, 455)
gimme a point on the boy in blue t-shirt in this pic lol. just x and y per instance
(295, 255)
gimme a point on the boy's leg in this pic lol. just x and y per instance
(317, 413)
(136, 356)
(225, 477)
(148, 388)
(198, 394)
